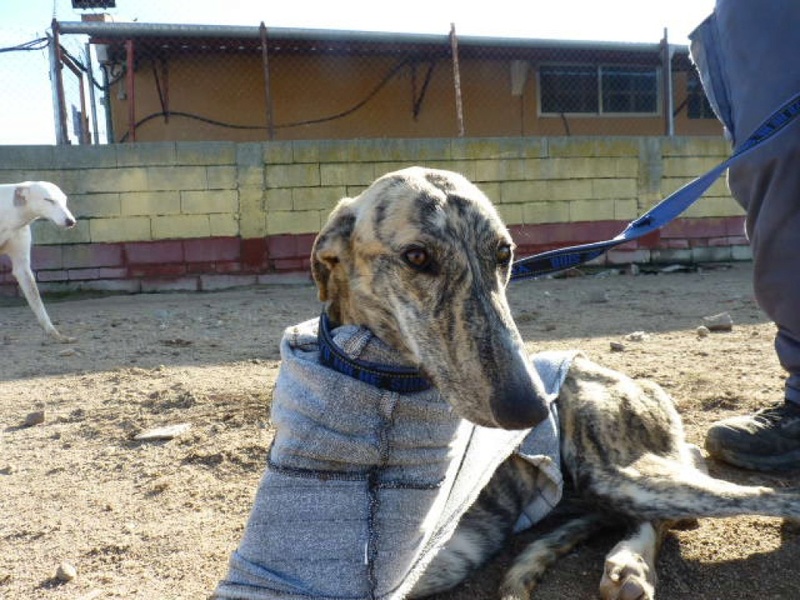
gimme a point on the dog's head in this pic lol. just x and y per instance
(44, 199)
(422, 259)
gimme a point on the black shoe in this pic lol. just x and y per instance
(766, 441)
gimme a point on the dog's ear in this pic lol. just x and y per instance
(332, 247)
(20, 195)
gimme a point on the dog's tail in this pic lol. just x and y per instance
(658, 488)
(532, 563)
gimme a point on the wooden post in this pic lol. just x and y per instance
(84, 137)
(56, 65)
(457, 80)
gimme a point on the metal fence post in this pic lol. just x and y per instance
(92, 100)
(131, 89)
(666, 69)
(267, 89)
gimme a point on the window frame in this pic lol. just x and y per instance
(695, 93)
(601, 112)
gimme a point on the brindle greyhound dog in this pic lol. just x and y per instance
(422, 259)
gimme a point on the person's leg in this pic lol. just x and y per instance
(741, 53)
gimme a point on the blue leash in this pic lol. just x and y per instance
(662, 213)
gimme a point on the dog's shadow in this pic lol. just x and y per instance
(769, 574)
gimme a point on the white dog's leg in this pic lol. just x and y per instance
(630, 571)
(18, 250)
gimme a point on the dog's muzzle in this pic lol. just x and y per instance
(520, 402)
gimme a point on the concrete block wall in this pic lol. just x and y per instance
(198, 216)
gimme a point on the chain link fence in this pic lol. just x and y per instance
(103, 82)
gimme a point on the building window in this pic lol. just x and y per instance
(629, 90)
(697, 104)
(568, 89)
(604, 90)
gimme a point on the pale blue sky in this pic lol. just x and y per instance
(613, 20)
(25, 101)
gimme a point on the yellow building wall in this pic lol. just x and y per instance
(349, 97)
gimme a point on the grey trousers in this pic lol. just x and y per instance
(747, 55)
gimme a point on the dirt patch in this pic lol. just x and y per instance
(145, 520)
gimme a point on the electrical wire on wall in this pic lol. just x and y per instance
(115, 77)
(393, 72)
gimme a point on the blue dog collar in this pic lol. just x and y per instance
(403, 380)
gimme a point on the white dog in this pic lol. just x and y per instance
(20, 205)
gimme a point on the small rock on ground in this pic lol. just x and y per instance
(66, 572)
(720, 322)
(637, 336)
(163, 433)
(34, 418)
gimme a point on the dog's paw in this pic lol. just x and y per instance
(627, 576)
(61, 338)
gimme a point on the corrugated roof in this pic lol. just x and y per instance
(283, 40)
(162, 30)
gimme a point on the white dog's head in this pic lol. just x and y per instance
(46, 200)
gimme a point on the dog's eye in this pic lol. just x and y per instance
(504, 254)
(50, 200)
(417, 257)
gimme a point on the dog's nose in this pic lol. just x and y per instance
(523, 412)
(520, 405)
(69, 222)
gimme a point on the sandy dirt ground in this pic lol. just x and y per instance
(157, 520)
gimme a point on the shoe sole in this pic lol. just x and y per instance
(784, 463)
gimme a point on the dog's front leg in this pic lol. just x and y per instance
(21, 269)
(630, 570)
(28, 285)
